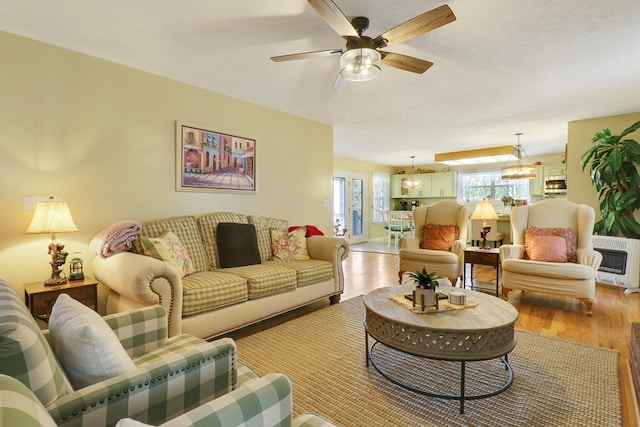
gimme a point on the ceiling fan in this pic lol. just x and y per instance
(361, 59)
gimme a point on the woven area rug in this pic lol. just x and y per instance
(557, 382)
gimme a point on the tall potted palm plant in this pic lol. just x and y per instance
(614, 161)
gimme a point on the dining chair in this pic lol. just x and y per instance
(398, 224)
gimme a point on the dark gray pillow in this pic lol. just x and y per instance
(237, 244)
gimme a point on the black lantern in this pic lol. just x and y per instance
(76, 271)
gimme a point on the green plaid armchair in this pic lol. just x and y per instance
(261, 402)
(178, 381)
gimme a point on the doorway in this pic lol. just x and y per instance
(349, 201)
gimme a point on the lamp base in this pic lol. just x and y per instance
(483, 234)
(58, 258)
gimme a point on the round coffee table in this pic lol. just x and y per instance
(483, 332)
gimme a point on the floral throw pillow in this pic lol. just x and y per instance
(439, 237)
(550, 244)
(168, 248)
(290, 246)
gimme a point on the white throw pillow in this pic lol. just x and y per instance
(128, 422)
(85, 345)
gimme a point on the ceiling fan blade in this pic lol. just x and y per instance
(404, 62)
(414, 27)
(338, 82)
(306, 55)
(333, 16)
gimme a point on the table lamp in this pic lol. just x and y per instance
(484, 211)
(51, 217)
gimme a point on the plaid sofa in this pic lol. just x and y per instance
(212, 300)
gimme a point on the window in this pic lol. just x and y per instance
(381, 184)
(478, 185)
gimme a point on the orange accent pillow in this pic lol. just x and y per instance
(550, 244)
(439, 236)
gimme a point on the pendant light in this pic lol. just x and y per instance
(518, 170)
(412, 183)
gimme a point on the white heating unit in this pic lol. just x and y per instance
(620, 262)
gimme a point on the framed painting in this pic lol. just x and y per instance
(208, 160)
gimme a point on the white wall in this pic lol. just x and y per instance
(102, 136)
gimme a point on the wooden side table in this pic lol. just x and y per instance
(474, 255)
(40, 298)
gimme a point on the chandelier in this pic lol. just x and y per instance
(412, 183)
(518, 170)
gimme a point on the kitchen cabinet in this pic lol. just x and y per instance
(396, 189)
(553, 170)
(437, 184)
(443, 184)
(536, 186)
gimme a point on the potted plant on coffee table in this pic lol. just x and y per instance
(425, 293)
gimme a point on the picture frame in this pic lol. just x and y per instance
(214, 161)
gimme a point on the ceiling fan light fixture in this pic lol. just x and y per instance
(360, 64)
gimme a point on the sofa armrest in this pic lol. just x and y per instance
(265, 401)
(140, 281)
(332, 249)
(458, 247)
(589, 257)
(511, 252)
(409, 243)
(190, 373)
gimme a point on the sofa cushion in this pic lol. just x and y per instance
(237, 245)
(439, 237)
(187, 231)
(20, 407)
(307, 272)
(535, 237)
(208, 226)
(24, 352)
(547, 248)
(264, 225)
(207, 290)
(290, 245)
(265, 279)
(550, 270)
(85, 345)
(168, 248)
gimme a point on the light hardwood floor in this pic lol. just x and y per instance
(610, 325)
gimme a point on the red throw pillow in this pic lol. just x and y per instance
(550, 244)
(439, 236)
(312, 230)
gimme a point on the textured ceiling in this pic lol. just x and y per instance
(504, 66)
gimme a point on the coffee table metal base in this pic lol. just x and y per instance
(461, 397)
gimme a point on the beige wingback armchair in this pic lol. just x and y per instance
(571, 279)
(446, 262)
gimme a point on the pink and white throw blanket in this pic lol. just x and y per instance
(118, 237)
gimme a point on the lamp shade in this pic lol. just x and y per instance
(484, 211)
(360, 64)
(51, 216)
